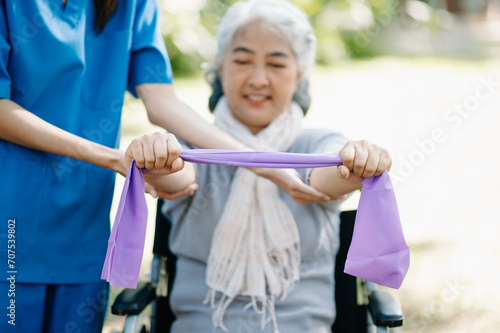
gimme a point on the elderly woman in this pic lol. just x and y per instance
(261, 261)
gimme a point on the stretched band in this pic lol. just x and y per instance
(259, 159)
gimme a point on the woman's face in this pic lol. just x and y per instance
(259, 75)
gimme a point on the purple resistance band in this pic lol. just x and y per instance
(378, 250)
(259, 159)
(126, 242)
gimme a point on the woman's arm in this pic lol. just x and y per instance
(361, 159)
(166, 110)
(22, 127)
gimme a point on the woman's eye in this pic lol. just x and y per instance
(277, 65)
(240, 62)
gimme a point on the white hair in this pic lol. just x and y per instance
(286, 17)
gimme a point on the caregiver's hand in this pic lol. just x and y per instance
(289, 181)
(157, 152)
(362, 159)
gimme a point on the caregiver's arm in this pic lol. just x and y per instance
(22, 127)
(166, 110)
(361, 159)
(159, 154)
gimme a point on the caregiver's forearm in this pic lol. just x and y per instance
(166, 110)
(22, 127)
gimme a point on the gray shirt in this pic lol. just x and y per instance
(309, 307)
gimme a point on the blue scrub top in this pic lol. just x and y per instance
(54, 63)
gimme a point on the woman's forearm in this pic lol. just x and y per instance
(175, 182)
(327, 180)
(22, 127)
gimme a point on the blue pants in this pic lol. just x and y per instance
(53, 308)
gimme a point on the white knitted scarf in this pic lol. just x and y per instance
(255, 248)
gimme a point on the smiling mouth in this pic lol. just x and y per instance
(255, 98)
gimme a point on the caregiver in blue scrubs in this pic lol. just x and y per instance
(64, 68)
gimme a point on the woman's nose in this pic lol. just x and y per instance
(258, 77)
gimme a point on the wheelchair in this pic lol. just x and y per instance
(362, 306)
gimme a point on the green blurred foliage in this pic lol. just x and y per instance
(345, 28)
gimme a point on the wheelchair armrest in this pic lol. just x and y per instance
(133, 301)
(385, 309)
